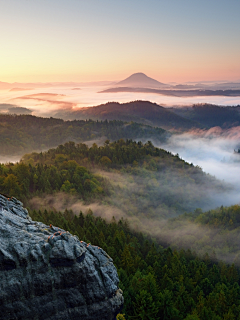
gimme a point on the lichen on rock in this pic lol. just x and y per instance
(47, 273)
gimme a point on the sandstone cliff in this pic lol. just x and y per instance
(47, 273)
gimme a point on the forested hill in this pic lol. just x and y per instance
(157, 283)
(26, 133)
(214, 231)
(144, 181)
(210, 115)
(139, 111)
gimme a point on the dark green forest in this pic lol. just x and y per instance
(23, 181)
(185, 281)
(138, 179)
(215, 231)
(209, 115)
(158, 282)
(24, 133)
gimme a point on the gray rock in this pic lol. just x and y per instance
(47, 273)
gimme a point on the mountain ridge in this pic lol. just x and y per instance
(140, 111)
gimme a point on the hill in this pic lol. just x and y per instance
(210, 115)
(141, 80)
(174, 92)
(139, 111)
(27, 133)
(131, 178)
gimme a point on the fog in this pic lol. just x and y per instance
(49, 101)
(139, 198)
(213, 151)
(10, 159)
(61, 201)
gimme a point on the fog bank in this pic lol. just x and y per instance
(213, 151)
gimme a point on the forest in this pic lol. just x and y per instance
(20, 134)
(210, 115)
(215, 232)
(153, 190)
(138, 179)
(158, 282)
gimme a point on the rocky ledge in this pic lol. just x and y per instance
(47, 273)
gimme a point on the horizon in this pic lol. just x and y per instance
(70, 41)
(109, 81)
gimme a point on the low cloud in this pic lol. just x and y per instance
(14, 109)
(213, 151)
(21, 89)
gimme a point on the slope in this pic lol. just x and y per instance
(211, 115)
(26, 133)
(141, 80)
(132, 178)
(139, 111)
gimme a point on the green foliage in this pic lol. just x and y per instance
(25, 133)
(25, 181)
(157, 283)
(215, 232)
(146, 180)
(121, 317)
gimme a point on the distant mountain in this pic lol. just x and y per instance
(139, 111)
(176, 93)
(141, 80)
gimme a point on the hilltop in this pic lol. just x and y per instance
(139, 111)
(141, 80)
(136, 178)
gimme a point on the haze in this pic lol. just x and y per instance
(213, 151)
(58, 55)
(52, 100)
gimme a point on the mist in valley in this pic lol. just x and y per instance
(140, 199)
(61, 101)
(213, 151)
(152, 200)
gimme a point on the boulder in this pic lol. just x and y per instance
(47, 273)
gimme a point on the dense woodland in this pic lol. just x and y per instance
(25, 133)
(24, 181)
(215, 231)
(145, 181)
(209, 115)
(158, 283)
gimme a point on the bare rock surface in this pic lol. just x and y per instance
(47, 273)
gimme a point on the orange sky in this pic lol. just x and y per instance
(73, 40)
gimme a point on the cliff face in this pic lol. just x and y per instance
(47, 273)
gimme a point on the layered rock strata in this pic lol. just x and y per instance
(47, 273)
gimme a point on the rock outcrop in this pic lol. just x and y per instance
(47, 273)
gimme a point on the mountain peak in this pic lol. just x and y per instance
(140, 79)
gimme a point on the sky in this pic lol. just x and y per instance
(93, 40)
